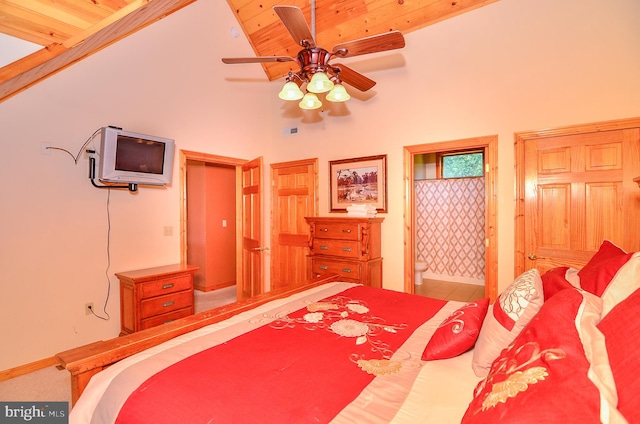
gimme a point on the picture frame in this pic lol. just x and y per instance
(358, 181)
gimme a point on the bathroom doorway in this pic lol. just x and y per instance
(468, 193)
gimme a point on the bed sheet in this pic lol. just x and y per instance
(414, 395)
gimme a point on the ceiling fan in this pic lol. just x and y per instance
(315, 70)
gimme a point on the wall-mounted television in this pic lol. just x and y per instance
(130, 158)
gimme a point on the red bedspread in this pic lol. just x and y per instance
(304, 372)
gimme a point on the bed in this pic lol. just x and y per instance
(561, 346)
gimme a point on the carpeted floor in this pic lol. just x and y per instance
(45, 385)
(54, 385)
(214, 299)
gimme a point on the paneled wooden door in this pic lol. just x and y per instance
(252, 281)
(575, 189)
(294, 195)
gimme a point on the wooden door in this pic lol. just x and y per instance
(252, 281)
(294, 188)
(576, 189)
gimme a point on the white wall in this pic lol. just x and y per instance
(54, 223)
(511, 66)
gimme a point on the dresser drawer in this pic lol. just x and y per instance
(165, 318)
(342, 248)
(165, 286)
(167, 303)
(346, 269)
(337, 230)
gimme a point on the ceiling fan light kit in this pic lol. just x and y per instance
(291, 91)
(315, 70)
(338, 94)
(320, 83)
(310, 101)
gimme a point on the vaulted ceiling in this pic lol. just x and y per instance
(70, 30)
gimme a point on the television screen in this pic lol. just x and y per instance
(137, 155)
(133, 158)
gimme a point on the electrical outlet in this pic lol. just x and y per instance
(88, 308)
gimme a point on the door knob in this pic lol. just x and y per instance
(532, 256)
(259, 249)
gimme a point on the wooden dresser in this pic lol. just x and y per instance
(346, 246)
(154, 296)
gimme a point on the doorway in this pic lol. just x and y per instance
(487, 145)
(240, 222)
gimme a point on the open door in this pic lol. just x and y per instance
(248, 218)
(251, 282)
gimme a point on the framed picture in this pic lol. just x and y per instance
(360, 180)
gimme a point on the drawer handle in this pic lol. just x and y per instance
(347, 270)
(346, 249)
(346, 230)
(324, 230)
(167, 286)
(324, 247)
(166, 304)
(324, 267)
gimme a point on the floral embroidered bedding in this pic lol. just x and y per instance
(558, 347)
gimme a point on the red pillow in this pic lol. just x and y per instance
(602, 267)
(553, 281)
(458, 333)
(621, 329)
(543, 376)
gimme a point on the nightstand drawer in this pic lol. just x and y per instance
(340, 231)
(165, 286)
(342, 248)
(165, 318)
(346, 269)
(162, 304)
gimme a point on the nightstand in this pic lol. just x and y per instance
(154, 296)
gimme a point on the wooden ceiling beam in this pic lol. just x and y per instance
(26, 72)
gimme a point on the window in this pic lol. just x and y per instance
(462, 164)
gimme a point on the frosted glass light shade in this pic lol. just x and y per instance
(338, 94)
(319, 83)
(290, 91)
(310, 101)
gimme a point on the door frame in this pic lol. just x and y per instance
(519, 150)
(490, 146)
(186, 155)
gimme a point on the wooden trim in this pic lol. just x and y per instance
(490, 145)
(85, 361)
(22, 74)
(520, 138)
(28, 368)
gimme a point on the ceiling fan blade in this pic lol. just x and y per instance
(293, 19)
(257, 59)
(376, 43)
(354, 78)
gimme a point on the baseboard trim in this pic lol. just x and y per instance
(27, 368)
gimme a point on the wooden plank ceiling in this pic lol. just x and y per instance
(70, 30)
